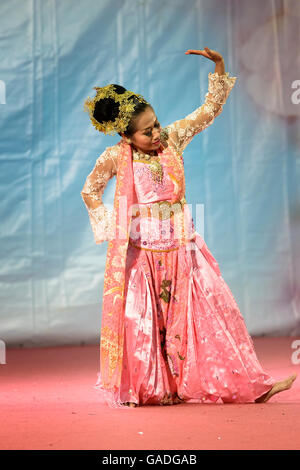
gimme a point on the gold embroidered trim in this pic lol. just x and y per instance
(151, 249)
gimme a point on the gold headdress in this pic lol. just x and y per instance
(126, 108)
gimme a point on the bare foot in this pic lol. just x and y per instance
(169, 399)
(130, 404)
(177, 400)
(277, 387)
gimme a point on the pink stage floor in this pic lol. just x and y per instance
(47, 401)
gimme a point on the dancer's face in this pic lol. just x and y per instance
(146, 137)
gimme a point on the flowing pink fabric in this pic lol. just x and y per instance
(114, 295)
(184, 333)
(171, 327)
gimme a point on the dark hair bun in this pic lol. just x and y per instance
(107, 109)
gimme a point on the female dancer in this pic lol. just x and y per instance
(171, 330)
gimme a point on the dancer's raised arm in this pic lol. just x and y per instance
(181, 132)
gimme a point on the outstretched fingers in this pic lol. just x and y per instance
(198, 52)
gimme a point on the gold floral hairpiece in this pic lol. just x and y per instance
(126, 109)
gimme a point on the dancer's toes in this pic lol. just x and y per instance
(287, 383)
(130, 404)
(177, 400)
(291, 379)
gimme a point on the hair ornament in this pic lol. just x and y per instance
(126, 108)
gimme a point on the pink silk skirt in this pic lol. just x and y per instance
(185, 337)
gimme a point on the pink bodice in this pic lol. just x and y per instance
(149, 189)
(160, 189)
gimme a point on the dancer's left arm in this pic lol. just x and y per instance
(181, 132)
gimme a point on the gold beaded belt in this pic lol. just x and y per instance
(160, 209)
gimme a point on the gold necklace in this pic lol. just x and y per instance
(139, 155)
(153, 162)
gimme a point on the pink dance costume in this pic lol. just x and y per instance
(171, 328)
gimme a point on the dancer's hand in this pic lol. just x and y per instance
(215, 56)
(206, 52)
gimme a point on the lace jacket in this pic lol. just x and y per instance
(179, 134)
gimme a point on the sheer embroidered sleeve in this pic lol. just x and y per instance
(101, 218)
(181, 132)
